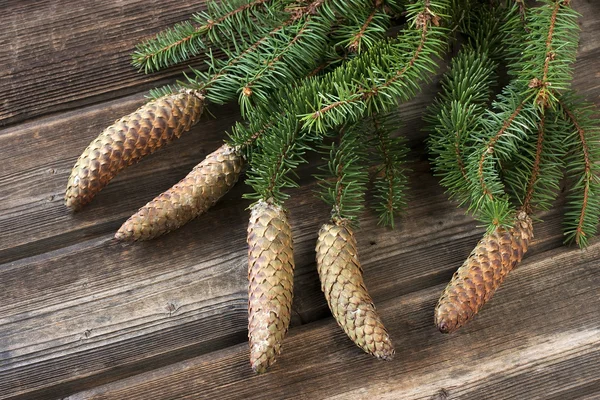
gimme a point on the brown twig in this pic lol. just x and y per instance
(387, 161)
(355, 43)
(535, 170)
(490, 148)
(542, 96)
(269, 66)
(587, 169)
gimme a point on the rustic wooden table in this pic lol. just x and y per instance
(82, 316)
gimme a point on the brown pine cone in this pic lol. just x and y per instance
(130, 138)
(270, 282)
(474, 283)
(189, 198)
(342, 282)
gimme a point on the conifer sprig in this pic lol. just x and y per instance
(363, 29)
(389, 186)
(277, 155)
(551, 48)
(389, 73)
(246, 53)
(293, 59)
(412, 58)
(583, 201)
(544, 70)
(344, 177)
(519, 147)
(459, 115)
(275, 58)
(455, 118)
(216, 25)
(260, 62)
(533, 175)
(502, 133)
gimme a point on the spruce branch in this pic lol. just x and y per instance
(583, 202)
(544, 70)
(185, 39)
(533, 175)
(233, 58)
(535, 168)
(390, 177)
(268, 59)
(388, 73)
(454, 118)
(487, 27)
(295, 58)
(220, 82)
(330, 60)
(343, 180)
(518, 147)
(169, 47)
(487, 181)
(279, 151)
(459, 115)
(277, 155)
(546, 61)
(502, 133)
(363, 29)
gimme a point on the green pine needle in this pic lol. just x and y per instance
(455, 118)
(222, 24)
(343, 179)
(392, 72)
(583, 169)
(390, 182)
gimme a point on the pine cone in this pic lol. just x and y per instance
(474, 283)
(130, 138)
(270, 282)
(189, 198)
(342, 282)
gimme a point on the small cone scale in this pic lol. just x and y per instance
(189, 198)
(474, 283)
(270, 282)
(128, 140)
(342, 283)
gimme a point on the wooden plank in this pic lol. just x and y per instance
(107, 310)
(58, 55)
(37, 162)
(529, 343)
(120, 295)
(78, 310)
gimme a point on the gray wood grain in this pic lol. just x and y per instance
(57, 55)
(529, 343)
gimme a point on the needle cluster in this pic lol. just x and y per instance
(509, 154)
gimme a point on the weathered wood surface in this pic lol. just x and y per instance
(85, 317)
(61, 55)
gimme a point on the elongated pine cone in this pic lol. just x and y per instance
(130, 138)
(270, 282)
(189, 198)
(342, 282)
(474, 283)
